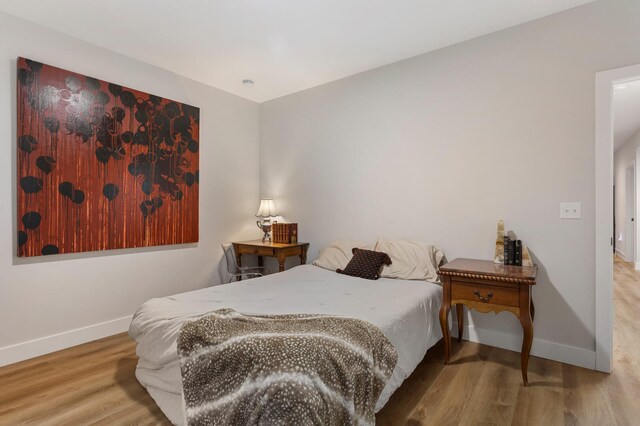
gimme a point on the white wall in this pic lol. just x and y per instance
(439, 147)
(40, 297)
(623, 157)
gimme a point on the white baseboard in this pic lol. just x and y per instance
(541, 348)
(55, 342)
(624, 257)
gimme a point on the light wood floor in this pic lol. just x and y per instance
(95, 384)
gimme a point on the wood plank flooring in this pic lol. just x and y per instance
(95, 384)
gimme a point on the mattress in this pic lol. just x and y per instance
(405, 311)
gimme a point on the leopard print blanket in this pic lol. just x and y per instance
(282, 369)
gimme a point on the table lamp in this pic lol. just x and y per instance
(266, 211)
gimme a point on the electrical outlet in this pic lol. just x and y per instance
(570, 211)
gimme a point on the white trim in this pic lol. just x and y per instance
(628, 223)
(636, 208)
(67, 339)
(621, 255)
(604, 211)
(541, 348)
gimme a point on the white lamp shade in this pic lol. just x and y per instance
(267, 208)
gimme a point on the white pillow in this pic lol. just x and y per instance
(411, 260)
(337, 254)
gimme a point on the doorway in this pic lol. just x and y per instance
(604, 150)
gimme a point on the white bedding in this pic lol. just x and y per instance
(405, 311)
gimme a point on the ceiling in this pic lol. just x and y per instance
(626, 109)
(283, 45)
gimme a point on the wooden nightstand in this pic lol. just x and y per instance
(488, 287)
(269, 249)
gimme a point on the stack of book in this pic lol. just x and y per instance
(284, 233)
(512, 251)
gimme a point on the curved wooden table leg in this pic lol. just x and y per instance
(526, 320)
(460, 316)
(533, 310)
(527, 340)
(444, 324)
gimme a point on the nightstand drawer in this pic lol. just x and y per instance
(497, 295)
(264, 251)
(260, 251)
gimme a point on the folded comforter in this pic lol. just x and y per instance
(282, 369)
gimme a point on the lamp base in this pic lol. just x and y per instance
(265, 226)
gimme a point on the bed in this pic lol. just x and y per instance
(406, 311)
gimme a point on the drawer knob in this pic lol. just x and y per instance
(483, 299)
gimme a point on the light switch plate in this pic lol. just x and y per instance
(570, 210)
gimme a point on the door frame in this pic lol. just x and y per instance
(630, 178)
(636, 209)
(605, 80)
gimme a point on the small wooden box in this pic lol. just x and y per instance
(282, 233)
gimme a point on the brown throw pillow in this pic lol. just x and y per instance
(365, 264)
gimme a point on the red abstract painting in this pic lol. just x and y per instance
(101, 166)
